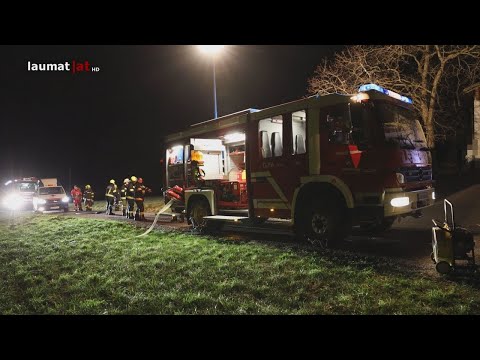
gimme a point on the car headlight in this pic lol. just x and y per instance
(66, 199)
(13, 202)
(41, 201)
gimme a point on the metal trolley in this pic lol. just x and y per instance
(451, 243)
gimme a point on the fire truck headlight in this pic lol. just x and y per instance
(13, 202)
(66, 199)
(400, 178)
(41, 201)
(400, 201)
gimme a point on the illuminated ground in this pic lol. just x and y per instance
(89, 264)
(57, 264)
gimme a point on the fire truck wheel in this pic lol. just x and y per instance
(198, 211)
(322, 226)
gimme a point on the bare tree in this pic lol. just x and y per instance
(426, 73)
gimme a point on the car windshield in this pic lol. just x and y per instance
(51, 190)
(25, 187)
(401, 128)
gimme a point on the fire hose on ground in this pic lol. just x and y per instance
(162, 210)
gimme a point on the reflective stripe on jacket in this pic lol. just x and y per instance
(111, 190)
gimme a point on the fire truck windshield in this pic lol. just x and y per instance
(400, 127)
(385, 123)
(25, 187)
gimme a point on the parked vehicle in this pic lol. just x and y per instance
(325, 163)
(17, 194)
(50, 196)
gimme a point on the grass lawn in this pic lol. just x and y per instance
(55, 264)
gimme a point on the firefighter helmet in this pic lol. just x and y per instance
(127, 180)
(134, 178)
(112, 181)
(140, 180)
(87, 187)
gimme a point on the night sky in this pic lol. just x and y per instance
(110, 124)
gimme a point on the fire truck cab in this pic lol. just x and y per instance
(325, 163)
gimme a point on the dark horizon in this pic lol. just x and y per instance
(110, 123)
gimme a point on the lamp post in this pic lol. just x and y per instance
(213, 50)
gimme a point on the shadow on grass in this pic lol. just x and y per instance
(359, 251)
(398, 252)
(404, 252)
(466, 275)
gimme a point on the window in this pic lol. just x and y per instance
(270, 132)
(51, 190)
(175, 155)
(339, 126)
(299, 132)
(401, 128)
(25, 187)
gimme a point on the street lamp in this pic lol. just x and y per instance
(212, 50)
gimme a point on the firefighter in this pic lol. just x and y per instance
(88, 196)
(140, 191)
(197, 174)
(77, 198)
(117, 202)
(131, 197)
(110, 195)
(123, 195)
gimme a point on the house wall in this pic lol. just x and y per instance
(473, 150)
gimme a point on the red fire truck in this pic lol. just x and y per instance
(18, 193)
(325, 163)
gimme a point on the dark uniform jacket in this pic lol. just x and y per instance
(131, 190)
(111, 190)
(123, 191)
(88, 195)
(140, 190)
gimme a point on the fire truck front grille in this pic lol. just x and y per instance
(417, 174)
